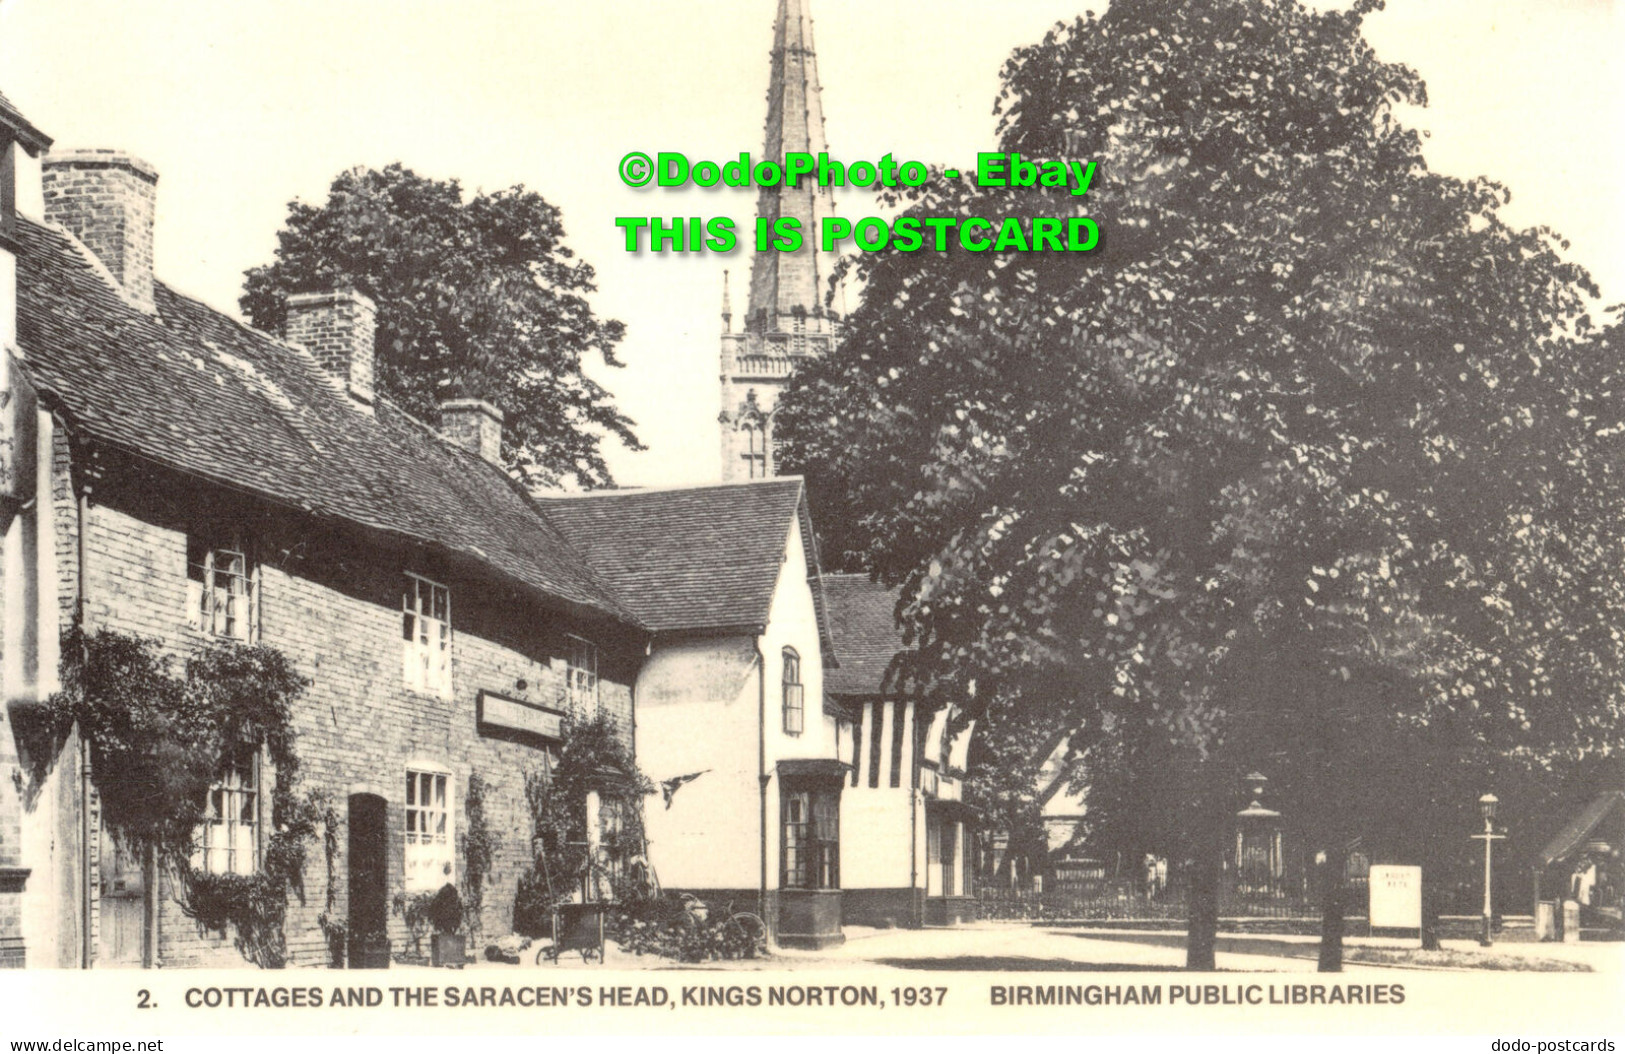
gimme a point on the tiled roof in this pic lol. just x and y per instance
(863, 624)
(1579, 828)
(692, 558)
(192, 389)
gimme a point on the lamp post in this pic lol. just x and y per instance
(1486, 806)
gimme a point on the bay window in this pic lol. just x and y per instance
(810, 856)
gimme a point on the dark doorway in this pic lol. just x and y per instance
(368, 882)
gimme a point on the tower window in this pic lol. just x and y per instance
(755, 453)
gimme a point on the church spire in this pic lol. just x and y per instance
(785, 319)
(784, 286)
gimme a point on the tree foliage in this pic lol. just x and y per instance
(1312, 466)
(477, 298)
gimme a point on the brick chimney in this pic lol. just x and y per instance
(106, 199)
(474, 425)
(340, 329)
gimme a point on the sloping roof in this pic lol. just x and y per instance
(691, 558)
(1575, 833)
(863, 626)
(193, 389)
(32, 139)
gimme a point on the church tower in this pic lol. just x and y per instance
(785, 320)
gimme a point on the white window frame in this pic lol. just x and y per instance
(794, 692)
(581, 675)
(429, 829)
(224, 602)
(426, 639)
(226, 843)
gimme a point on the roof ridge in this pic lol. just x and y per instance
(670, 489)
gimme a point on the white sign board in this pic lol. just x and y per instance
(1396, 897)
(499, 711)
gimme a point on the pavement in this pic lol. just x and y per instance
(1021, 946)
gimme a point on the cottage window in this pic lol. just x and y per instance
(581, 675)
(426, 628)
(794, 710)
(810, 856)
(221, 587)
(429, 862)
(228, 842)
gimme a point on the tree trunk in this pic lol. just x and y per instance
(1202, 926)
(1333, 889)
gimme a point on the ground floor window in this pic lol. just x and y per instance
(228, 842)
(811, 846)
(429, 861)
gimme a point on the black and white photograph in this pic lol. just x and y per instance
(1056, 516)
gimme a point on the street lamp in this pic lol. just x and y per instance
(1486, 806)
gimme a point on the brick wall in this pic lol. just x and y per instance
(474, 425)
(339, 329)
(106, 199)
(330, 599)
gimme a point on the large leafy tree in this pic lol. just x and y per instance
(1311, 467)
(477, 297)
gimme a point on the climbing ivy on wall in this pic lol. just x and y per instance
(594, 756)
(480, 847)
(158, 730)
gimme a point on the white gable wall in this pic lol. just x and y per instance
(696, 712)
(793, 622)
(698, 709)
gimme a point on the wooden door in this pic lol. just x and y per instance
(123, 930)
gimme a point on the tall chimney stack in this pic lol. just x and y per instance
(105, 198)
(474, 425)
(340, 330)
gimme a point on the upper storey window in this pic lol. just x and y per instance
(221, 586)
(426, 631)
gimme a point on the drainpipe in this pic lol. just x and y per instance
(86, 949)
(761, 765)
(914, 806)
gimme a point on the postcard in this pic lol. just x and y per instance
(799, 516)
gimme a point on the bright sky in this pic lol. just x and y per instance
(245, 105)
